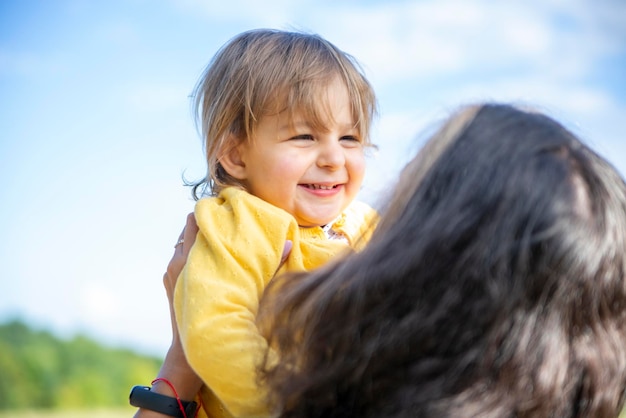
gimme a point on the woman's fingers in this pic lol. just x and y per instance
(181, 250)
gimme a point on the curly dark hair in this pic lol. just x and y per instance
(494, 286)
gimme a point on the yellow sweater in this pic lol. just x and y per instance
(237, 252)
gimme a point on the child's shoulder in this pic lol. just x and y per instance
(360, 211)
(239, 202)
(357, 222)
(232, 196)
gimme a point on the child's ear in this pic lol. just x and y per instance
(232, 162)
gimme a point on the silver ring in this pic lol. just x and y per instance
(180, 241)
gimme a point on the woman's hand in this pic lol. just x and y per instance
(175, 367)
(181, 251)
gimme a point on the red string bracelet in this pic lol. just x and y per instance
(198, 408)
(180, 403)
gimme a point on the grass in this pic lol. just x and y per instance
(85, 413)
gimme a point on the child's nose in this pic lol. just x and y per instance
(331, 156)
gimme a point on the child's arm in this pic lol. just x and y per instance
(216, 300)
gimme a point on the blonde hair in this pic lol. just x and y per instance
(266, 71)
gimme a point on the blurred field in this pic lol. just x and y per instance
(98, 413)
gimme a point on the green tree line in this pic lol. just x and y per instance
(39, 370)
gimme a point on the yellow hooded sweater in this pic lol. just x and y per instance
(237, 252)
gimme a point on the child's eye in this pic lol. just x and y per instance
(303, 137)
(350, 140)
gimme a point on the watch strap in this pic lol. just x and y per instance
(143, 397)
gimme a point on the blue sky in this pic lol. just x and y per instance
(97, 130)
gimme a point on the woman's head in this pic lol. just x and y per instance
(494, 286)
(265, 73)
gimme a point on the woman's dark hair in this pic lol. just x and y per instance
(494, 286)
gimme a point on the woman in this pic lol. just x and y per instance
(493, 287)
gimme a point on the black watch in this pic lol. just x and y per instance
(143, 397)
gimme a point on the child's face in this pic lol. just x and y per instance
(311, 174)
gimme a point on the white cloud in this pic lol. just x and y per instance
(98, 303)
(572, 98)
(409, 40)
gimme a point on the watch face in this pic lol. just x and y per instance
(143, 397)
